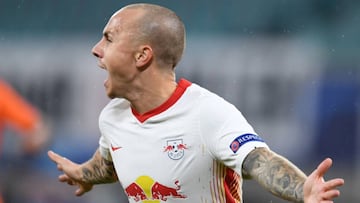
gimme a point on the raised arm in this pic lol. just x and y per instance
(97, 170)
(283, 179)
(275, 173)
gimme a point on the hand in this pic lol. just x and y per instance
(317, 190)
(71, 173)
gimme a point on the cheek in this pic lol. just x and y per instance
(117, 60)
(119, 64)
(112, 59)
(119, 73)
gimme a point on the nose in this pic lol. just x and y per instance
(97, 50)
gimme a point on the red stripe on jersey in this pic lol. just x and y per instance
(232, 186)
(179, 91)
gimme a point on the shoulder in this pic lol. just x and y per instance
(212, 103)
(213, 110)
(117, 103)
(114, 107)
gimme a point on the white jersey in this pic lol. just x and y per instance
(189, 149)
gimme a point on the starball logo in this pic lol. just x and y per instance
(242, 139)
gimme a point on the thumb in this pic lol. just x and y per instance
(322, 168)
(83, 188)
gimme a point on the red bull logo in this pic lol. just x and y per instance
(146, 190)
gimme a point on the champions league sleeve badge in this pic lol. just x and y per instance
(242, 139)
(175, 149)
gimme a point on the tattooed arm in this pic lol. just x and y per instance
(285, 180)
(275, 173)
(97, 170)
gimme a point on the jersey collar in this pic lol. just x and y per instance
(183, 84)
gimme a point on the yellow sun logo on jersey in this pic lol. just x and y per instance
(147, 190)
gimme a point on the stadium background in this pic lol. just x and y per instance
(291, 67)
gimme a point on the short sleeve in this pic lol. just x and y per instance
(228, 135)
(106, 118)
(104, 148)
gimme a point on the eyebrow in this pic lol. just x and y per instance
(106, 34)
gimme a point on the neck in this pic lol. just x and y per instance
(151, 94)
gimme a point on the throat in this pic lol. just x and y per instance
(157, 106)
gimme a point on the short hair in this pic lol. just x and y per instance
(163, 29)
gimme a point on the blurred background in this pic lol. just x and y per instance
(291, 67)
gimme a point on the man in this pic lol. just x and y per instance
(175, 141)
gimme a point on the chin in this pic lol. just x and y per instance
(111, 96)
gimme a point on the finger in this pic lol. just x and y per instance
(70, 182)
(80, 191)
(83, 188)
(59, 167)
(333, 183)
(331, 194)
(55, 157)
(67, 179)
(64, 178)
(323, 167)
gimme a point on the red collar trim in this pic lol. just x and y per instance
(179, 91)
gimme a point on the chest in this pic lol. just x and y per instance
(169, 152)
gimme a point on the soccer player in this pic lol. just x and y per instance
(174, 141)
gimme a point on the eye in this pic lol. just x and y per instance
(108, 39)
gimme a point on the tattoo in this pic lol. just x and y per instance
(275, 173)
(99, 170)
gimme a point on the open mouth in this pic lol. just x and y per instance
(106, 82)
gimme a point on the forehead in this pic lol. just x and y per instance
(113, 25)
(122, 19)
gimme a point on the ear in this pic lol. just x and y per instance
(144, 56)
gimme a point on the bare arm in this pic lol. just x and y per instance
(98, 170)
(95, 171)
(275, 173)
